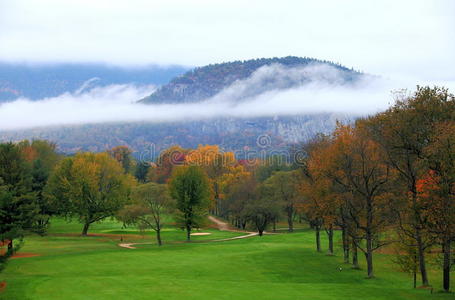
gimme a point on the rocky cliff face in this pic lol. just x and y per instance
(245, 135)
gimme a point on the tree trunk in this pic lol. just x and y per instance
(345, 245)
(369, 256)
(414, 271)
(330, 236)
(158, 237)
(261, 232)
(418, 238)
(274, 225)
(85, 229)
(290, 220)
(355, 259)
(369, 237)
(421, 254)
(446, 265)
(188, 233)
(318, 239)
(10, 247)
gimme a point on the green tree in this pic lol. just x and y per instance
(123, 155)
(190, 187)
(151, 201)
(18, 208)
(283, 186)
(142, 168)
(406, 257)
(262, 209)
(90, 187)
(42, 158)
(271, 164)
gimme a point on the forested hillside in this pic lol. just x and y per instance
(229, 133)
(204, 82)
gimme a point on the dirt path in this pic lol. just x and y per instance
(222, 226)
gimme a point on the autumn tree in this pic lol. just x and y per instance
(215, 163)
(437, 190)
(190, 188)
(355, 163)
(311, 210)
(161, 171)
(315, 188)
(90, 187)
(321, 200)
(150, 202)
(403, 132)
(237, 196)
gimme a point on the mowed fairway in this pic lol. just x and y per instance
(281, 266)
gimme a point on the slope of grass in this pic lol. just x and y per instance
(283, 266)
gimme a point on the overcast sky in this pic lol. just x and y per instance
(412, 39)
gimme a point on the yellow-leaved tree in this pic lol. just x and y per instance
(89, 187)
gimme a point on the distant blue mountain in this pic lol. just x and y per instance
(50, 80)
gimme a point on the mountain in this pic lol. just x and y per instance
(205, 82)
(232, 83)
(38, 81)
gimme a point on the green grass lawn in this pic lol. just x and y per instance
(282, 266)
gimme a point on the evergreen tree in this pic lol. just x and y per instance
(18, 206)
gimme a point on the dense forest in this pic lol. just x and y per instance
(229, 133)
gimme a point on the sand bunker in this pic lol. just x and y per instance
(201, 233)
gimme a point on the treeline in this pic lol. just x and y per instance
(245, 192)
(390, 178)
(387, 180)
(36, 184)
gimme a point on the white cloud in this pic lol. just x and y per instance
(381, 37)
(324, 92)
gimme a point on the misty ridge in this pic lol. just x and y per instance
(271, 90)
